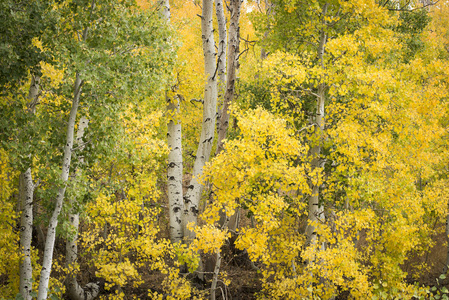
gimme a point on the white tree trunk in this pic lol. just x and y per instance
(195, 189)
(316, 211)
(174, 169)
(26, 193)
(221, 58)
(74, 290)
(233, 54)
(174, 172)
(165, 11)
(51, 231)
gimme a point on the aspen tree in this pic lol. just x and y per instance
(51, 231)
(231, 70)
(26, 194)
(74, 290)
(195, 188)
(175, 160)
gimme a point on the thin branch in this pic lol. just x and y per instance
(403, 8)
(307, 91)
(307, 127)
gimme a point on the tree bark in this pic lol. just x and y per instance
(316, 211)
(51, 231)
(222, 57)
(26, 193)
(232, 66)
(174, 172)
(175, 161)
(165, 11)
(195, 189)
(74, 290)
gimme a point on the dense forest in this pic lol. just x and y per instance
(227, 149)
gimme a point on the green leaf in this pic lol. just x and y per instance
(54, 297)
(442, 276)
(19, 297)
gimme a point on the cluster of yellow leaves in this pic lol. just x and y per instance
(117, 221)
(257, 168)
(209, 238)
(385, 127)
(9, 238)
(123, 234)
(263, 172)
(123, 241)
(385, 142)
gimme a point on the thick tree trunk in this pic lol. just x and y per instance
(174, 172)
(51, 231)
(232, 66)
(174, 169)
(26, 193)
(195, 189)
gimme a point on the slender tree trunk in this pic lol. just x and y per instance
(51, 231)
(213, 285)
(26, 193)
(174, 169)
(74, 290)
(174, 172)
(195, 189)
(165, 11)
(316, 211)
(222, 57)
(232, 66)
